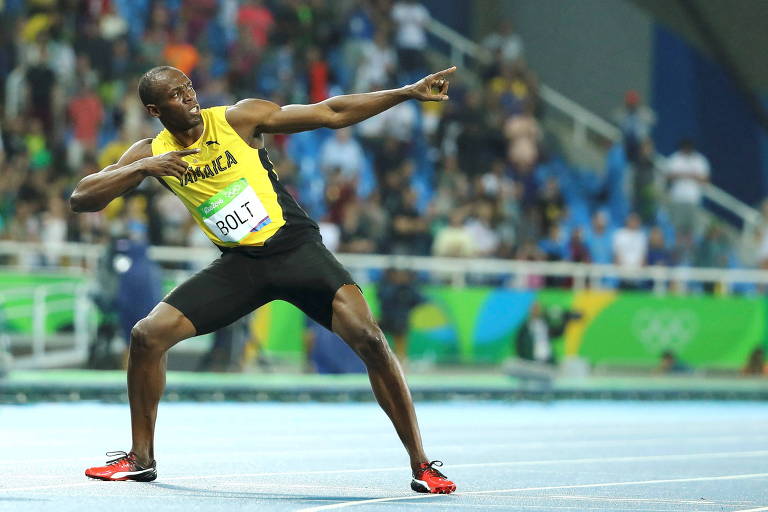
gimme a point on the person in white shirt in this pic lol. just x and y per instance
(342, 152)
(630, 245)
(505, 42)
(410, 18)
(687, 171)
(378, 62)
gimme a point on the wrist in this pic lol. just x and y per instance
(138, 169)
(407, 92)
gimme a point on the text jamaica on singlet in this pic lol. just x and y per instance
(219, 164)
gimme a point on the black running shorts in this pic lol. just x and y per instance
(235, 284)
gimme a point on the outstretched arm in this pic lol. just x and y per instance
(260, 116)
(96, 190)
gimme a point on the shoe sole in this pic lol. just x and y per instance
(144, 477)
(419, 486)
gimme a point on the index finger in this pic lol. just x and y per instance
(445, 71)
(186, 152)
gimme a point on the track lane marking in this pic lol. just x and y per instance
(712, 455)
(546, 488)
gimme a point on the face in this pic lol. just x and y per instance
(177, 105)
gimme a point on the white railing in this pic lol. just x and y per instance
(39, 348)
(585, 121)
(460, 271)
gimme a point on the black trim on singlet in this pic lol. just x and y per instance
(298, 228)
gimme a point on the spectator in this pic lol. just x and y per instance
(535, 338)
(342, 152)
(41, 81)
(636, 121)
(555, 244)
(523, 133)
(363, 226)
(504, 43)
(600, 239)
(549, 206)
(339, 193)
(409, 230)
(317, 73)
(53, 230)
(179, 53)
(684, 250)
(658, 254)
(378, 62)
(410, 18)
(515, 88)
(257, 20)
(687, 171)
(454, 240)
(578, 251)
(398, 295)
(481, 229)
(671, 364)
(89, 42)
(86, 113)
(714, 248)
(630, 245)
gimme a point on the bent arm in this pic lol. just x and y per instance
(97, 190)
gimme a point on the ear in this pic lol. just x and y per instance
(152, 110)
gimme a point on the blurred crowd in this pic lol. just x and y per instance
(477, 176)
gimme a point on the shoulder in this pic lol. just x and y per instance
(249, 112)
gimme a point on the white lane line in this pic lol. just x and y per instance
(759, 509)
(549, 507)
(547, 488)
(693, 456)
(43, 487)
(633, 500)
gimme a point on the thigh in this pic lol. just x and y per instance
(309, 277)
(224, 291)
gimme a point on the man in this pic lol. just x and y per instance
(687, 171)
(214, 160)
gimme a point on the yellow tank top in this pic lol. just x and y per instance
(231, 188)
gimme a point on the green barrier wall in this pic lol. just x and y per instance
(13, 306)
(474, 325)
(478, 325)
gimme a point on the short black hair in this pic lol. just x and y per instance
(148, 84)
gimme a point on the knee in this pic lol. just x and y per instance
(371, 346)
(145, 337)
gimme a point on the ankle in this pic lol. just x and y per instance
(142, 458)
(418, 464)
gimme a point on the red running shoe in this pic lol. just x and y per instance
(124, 467)
(428, 479)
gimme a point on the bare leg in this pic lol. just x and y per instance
(353, 321)
(151, 338)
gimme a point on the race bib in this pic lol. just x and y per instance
(234, 212)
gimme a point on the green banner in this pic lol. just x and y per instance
(480, 324)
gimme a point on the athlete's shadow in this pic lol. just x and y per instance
(206, 493)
